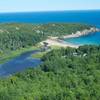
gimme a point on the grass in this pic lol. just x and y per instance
(41, 54)
(4, 57)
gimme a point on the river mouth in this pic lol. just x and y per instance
(91, 39)
(20, 63)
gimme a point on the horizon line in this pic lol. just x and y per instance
(50, 11)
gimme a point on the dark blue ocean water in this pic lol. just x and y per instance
(87, 17)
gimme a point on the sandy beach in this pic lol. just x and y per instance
(60, 43)
(55, 41)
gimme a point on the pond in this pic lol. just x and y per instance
(19, 64)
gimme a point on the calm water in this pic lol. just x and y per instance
(93, 39)
(19, 63)
(24, 61)
(88, 17)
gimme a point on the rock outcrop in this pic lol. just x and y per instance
(83, 33)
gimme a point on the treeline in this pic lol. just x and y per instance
(61, 29)
(66, 74)
(14, 36)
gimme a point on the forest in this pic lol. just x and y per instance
(14, 36)
(66, 74)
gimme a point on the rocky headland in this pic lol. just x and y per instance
(92, 30)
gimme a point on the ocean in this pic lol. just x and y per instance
(84, 17)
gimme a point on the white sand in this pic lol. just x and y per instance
(60, 43)
(54, 41)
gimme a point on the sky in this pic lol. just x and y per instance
(47, 5)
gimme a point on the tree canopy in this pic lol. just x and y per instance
(66, 74)
(15, 36)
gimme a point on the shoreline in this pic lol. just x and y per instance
(55, 41)
(85, 32)
(59, 43)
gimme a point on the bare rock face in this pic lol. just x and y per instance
(92, 30)
(87, 31)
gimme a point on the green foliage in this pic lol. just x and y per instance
(14, 36)
(66, 74)
(39, 55)
(62, 28)
(6, 56)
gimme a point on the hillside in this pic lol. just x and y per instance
(66, 74)
(15, 36)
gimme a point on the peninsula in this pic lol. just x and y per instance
(84, 32)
